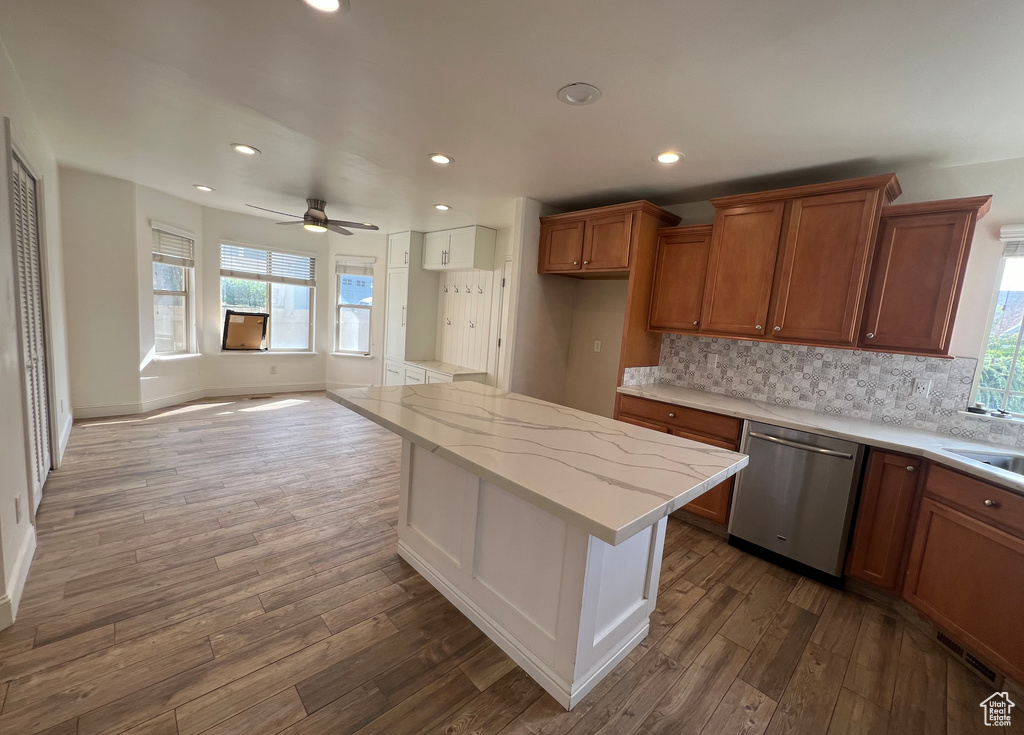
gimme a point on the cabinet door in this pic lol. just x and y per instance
(606, 242)
(713, 505)
(461, 249)
(415, 375)
(398, 250)
(394, 373)
(916, 281)
(679, 273)
(435, 250)
(823, 269)
(397, 313)
(744, 246)
(883, 518)
(969, 578)
(561, 246)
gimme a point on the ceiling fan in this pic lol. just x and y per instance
(315, 219)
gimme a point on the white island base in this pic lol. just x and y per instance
(564, 605)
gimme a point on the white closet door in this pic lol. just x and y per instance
(33, 334)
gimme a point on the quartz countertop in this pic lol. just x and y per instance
(444, 367)
(936, 447)
(605, 476)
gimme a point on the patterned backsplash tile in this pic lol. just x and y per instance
(868, 385)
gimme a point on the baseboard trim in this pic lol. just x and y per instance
(172, 400)
(129, 409)
(248, 390)
(108, 411)
(11, 598)
(64, 436)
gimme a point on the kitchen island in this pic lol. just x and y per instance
(544, 525)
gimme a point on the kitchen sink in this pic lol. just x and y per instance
(1002, 460)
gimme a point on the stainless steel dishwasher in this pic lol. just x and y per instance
(795, 498)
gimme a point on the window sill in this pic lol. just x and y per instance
(179, 356)
(358, 355)
(249, 353)
(1008, 419)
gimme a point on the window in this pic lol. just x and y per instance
(1001, 378)
(355, 299)
(173, 261)
(279, 284)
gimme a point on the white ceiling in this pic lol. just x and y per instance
(348, 106)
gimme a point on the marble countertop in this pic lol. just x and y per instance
(607, 477)
(936, 447)
(444, 367)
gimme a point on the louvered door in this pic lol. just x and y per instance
(33, 335)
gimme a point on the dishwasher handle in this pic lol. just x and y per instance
(798, 445)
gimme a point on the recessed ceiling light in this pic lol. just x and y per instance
(326, 6)
(203, 187)
(441, 159)
(246, 149)
(442, 207)
(668, 157)
(579, 93)
(314, 228)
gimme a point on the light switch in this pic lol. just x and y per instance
(597, 345)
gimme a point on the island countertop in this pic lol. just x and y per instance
(610, 478)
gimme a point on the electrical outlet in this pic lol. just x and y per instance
(273, 369)
(921, 388)
(17, 509)
(597, 345)
(712, 361)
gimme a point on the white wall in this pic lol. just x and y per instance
(17, 538)
(231, 373)
(348, 371)
(98, 220)
(599, 312)
(165, 381)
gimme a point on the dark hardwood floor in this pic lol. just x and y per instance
(229, 567)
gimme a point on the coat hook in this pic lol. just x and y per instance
(479, 290)
(445, 289)
(472, 325)
(448, 321)
(456, 289)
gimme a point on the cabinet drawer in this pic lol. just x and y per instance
(680, 417)
(1006, 509)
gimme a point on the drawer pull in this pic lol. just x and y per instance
(990, 503)
(695, 323)
(671, 415)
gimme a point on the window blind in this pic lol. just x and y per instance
(1013, 240)
(173, 248)
(239, 261)
(353, 266)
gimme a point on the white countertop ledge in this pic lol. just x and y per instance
(935, 447)
(610, 478)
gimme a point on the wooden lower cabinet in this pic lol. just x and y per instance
(968, 577)
(699, 426)
(883, 518)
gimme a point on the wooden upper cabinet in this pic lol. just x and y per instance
(918, 273)
(823, 267)
(741, 268)
(679, 273)
(606, 242)
(561, 246)
(883, 518)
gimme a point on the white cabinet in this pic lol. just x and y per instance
(415, 375)
(461, 249)
(397, 312)
(400, 249)
(435, 377)
(394, 373)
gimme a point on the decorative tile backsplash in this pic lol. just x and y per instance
(867, 385)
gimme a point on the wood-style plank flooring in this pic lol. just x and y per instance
(229, 567)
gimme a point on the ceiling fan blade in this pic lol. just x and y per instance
(297, 222)
(340, 230)
(353, 225)
(284, 214)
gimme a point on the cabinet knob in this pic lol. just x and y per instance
(990, 503)
(695, 323)
(778, 329)
(586, 262)
(671, 415)
(758, 327)
(575, 262)
(870, 335)
(910, 468)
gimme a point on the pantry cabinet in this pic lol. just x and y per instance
(410, 313)
(679, 273)
(966, 566)
(689, 423)
(918, 273)
(880, 530)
